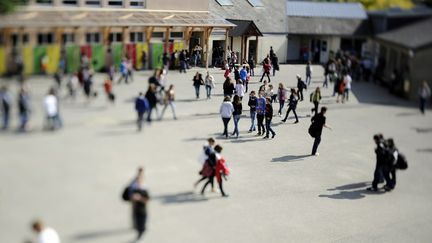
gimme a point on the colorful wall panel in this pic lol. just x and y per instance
(38, 53)
(140, 47)
(28, 60)
(2, 60)
(131, 53)
(118, 54)
(98, 57)
(72, 58)
(156, 54)
(53, 52)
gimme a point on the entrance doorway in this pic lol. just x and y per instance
(252, 50)
(218, 53)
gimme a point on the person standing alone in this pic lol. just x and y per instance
(424, 94)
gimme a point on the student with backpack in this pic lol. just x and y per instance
(315, 129)
(268, 118)
(300, 86)
(221, 170)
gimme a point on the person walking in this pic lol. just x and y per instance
(389, 169)
(141, 106)
(23, 108)
(139, 199)
(44, 233)
(152, 101)
(52, 110)
(347, 85)
(266, 70)
(6, 102)
(252, 106)
(268, 118)
(300, 86)
(239, 89)
(260, 111)
(221, 169)
(315, 98)
(208, 161)
(123, 71)
(169, 101)
(228, 87)
(108, 87)
(209, 84)
(275, 64)
(244, 77)
(226, 110)
(237, 105)
(340, 89)
(318, 122)
(292, 106)
(197, 82)
(251, 63)
(380, 152)
(424, 94)
(308, 73)
(183, 61)
(281, 97)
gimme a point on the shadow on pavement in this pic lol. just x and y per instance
(425, 150)
(100, 234)
(181, 197)
(290, 158)
(423, 130)
(351, 191)
(370, 93)
(403, 114)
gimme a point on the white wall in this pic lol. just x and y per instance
(279, 44)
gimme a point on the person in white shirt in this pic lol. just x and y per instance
(50, 103)
(347, 80)
(45, 234)
(209, 84)
(240, 90)
(226, 110)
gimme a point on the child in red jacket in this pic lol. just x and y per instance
(221, 169)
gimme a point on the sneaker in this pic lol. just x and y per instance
(388, 189)
(266, 137)
(225, 195)
(274, 134)
(259, 134)
(316, 154)
(296, 122)
(372, 189)
(283, 120)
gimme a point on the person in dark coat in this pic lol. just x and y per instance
(139, 200)
(300, 86)
(228, 87)
(275, 63)
(251, 63)
(268, 118)
(292, 105)
(152, 100)
(197, 82)
(318, 122)
(141, 106)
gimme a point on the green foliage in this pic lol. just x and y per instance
(7, 6)
(381, 4)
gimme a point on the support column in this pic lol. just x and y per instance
(58, 34)
(80, 36)
(207, 33)
(148, 36)
(105, 35)
(256, 49)
(167, 38)
(241, 50)
(226, 44)
(81, 3)
(125, 34)
(188, 34)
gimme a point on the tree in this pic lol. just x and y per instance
(382, 4)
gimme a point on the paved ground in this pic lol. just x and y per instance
(73, 178)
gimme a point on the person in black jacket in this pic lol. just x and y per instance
(300, 86)
(389, 169)
(252, 105)
(268, 118)
(318, 122)
(228, 87)
(152, 100)
(237, 104)
(292, 106)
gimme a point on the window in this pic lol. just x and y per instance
(136, 3)
(256, 3)
(25, 38)
(45, 38)
(225, 2)
(93, 3)
(115, 3)
(158, 35)
(68, 38)
(136, 37)
(115, 37)
(70, 2)
(47, 2)
(15, 38)
(93, 37)
(176, 35)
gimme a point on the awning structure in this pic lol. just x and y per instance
(244, 28)
(112, 18)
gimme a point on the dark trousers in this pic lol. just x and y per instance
(260, 119)
(316, 106)
(268, 76)
(389, 173)
(316, 144)
(139, 220)
(268, 126)
(288, 111)
(220, 182)
(225, 122)
(281, 105)
(209, 181)
(422, 105)
(140, 120)
(300, 93)
(378, 177)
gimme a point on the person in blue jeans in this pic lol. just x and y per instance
(237, 104)
(252, 105)
(260, 109)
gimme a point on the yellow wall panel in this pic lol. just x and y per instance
(28, 59)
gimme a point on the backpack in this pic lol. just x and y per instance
(126, 194)
(312, 130)
(401, 163)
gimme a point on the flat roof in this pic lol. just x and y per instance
(100, 18)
